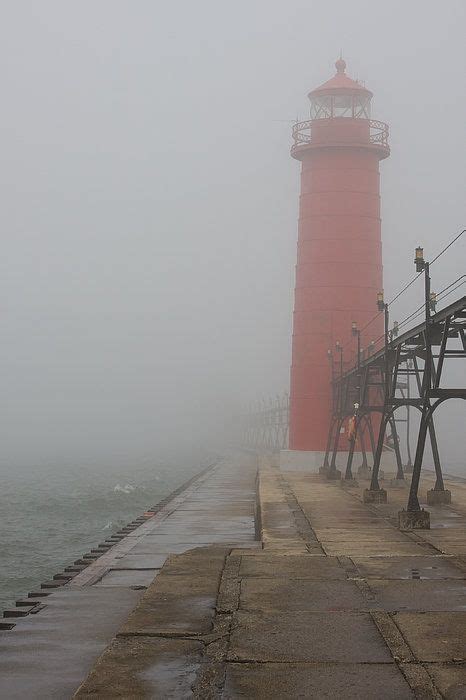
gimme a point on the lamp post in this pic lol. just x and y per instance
(415, 516)
(430, 301)
(339, 349)
(374, 494)
(333, 472)
(409, 464)
(335, 408)
(326, 465)
(330, 359)
(382, 306)
(356, 332)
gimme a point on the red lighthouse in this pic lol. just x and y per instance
(339, 263)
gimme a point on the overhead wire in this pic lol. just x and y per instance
(408, 285)
(440, 296)
(431, 263)
(448, 246)
(454, 289)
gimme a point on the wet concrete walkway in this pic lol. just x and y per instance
(332, 600)
(49, 653)
(336, 603)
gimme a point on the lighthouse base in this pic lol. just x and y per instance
(301, 460)
(312, 461)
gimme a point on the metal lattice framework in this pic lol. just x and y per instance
(266, 425)
(376, 387)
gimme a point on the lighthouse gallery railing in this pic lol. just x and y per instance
(378, 132)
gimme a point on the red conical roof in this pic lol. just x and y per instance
(340, 82)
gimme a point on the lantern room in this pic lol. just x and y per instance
(340, 114)
(340, 97)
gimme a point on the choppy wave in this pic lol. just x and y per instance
(124, 489)
(50, 517)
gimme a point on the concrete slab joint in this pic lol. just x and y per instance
(334, 601)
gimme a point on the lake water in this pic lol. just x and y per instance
(49, 516)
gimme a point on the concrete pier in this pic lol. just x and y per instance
(263, 584)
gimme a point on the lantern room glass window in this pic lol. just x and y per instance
(347, 106)
(362, 107)
(321, 107)
(342, 106)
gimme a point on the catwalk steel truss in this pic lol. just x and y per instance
(372, 393)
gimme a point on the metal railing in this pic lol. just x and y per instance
(265, 426)
(378, 132)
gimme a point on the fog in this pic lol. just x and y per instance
(149, 204)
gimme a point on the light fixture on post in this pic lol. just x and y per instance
(430, 300)
(332, 366)
(419, 259)
(356, 332)
(339, 348)
(374, 494)
(382, 306)
(380, 301)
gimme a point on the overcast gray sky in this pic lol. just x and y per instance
(149, 202)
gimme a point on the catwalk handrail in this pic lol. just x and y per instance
(373, 388)
(401, 339)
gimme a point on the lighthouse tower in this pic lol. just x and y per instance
(339, 261)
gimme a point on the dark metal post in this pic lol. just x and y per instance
(375, 486)
(359, 350)
(439, 486)
(396, 447)
(371, 436)
(409, 464)
(333, 463)
(378, 454)
(387, 364)
(428, 362)
(340, 350)
(349, 463)
(355, 331)
(326, 464)
(332, 471)
(364, 464)
(413, 501)
(353, 438)
(329, 444)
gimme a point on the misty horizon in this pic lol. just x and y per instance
(150, 206)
